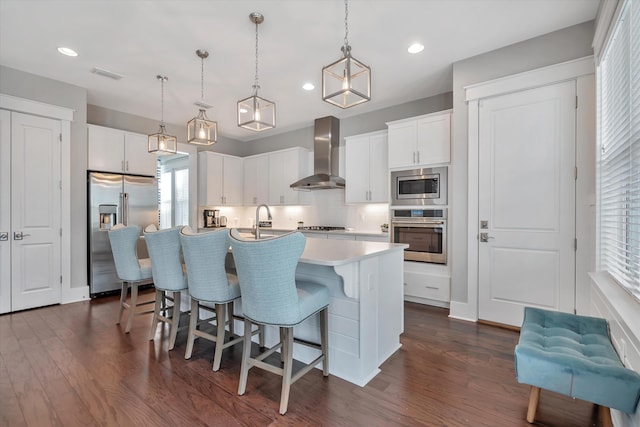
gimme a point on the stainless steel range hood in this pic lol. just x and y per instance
(326, 145)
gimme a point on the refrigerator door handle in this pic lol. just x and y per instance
(125, 208)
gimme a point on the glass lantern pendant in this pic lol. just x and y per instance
(161, 142)
(256, 113)
(201, 130)
(346, 82)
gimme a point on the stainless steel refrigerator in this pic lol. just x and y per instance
(114, 198)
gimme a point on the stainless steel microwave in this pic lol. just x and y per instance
(419, 187)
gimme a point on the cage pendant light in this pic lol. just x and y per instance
(346, 82)
(160, 142)
(256, 113)
(201, 130)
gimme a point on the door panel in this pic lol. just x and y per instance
(35, 211)
(527, 197)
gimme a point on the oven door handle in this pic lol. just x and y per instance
(417, 224)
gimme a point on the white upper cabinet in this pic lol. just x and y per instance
(420, 141)
(285, 168)
(220, 179)
(256, 180)
(366, 172)
(114, 150)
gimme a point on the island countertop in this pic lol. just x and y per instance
(340, 252)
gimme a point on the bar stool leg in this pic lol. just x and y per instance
(156, 313)
(123, 300)
(288, 367)
(132, 306)
(231, 321)
(175, 320)
(246, 353)
(193, 325)
(220, 322)
(324, 340)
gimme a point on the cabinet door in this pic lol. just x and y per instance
(232, 181)
(137, 159)
(256, 180)
(285, 168)
(402, 144)
(210, 179)
(276, 179)
(105, 149)
(357, 170)
(434, 137)
(378, 169)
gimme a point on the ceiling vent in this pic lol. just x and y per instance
(106, 73)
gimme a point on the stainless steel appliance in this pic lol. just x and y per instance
(418, 187)
(424, 230)
(112, 199)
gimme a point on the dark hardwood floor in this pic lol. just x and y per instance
(72, 365)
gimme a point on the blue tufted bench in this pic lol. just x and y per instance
(573, 355)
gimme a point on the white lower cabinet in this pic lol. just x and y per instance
(425, 282)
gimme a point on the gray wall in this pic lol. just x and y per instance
(115, 119)
(354, 125)
(559, 46)
(37, 88)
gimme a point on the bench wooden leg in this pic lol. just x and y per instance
(605, 416)
(534, 396)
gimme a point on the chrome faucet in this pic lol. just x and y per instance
(258, 218)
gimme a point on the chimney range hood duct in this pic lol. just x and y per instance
(326, 145)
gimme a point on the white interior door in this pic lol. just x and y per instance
(5, 211)
(35, 211)
(527, 198)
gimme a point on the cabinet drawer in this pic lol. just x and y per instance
(427, 286)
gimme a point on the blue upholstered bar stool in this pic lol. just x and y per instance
(130, 269)
(272, 296)
(169, 277)
(204, 256)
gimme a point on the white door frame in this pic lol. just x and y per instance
(578, 69)
(65, 115)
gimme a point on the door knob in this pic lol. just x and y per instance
(4, 236)
(484, 237)
(18, 235)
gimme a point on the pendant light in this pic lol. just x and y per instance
(201, 130)
(160, 142)
(256, 113)
(346, 82)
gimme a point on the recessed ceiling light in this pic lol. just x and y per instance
(415, 48)
(308, 86)
(67, 51)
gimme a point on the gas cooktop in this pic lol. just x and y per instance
(319, 228)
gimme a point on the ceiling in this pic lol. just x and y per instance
(140, 39)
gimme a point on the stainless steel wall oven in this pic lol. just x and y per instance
(424, 230)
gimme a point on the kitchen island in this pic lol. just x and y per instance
(366, 315)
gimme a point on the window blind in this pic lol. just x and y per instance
(619, 141)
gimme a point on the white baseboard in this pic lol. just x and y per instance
(463, 311)
(426, 301)
(80, 293)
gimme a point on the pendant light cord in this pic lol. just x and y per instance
(256, 84)
(346, 23)
(202, 78)
(162, 79)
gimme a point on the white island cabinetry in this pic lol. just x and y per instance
(366, 312)
(220, 179)
(118, 151)
(366, 168)
(420, 141)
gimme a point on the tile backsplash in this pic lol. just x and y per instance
(327, 208)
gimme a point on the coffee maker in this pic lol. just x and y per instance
(211, 218)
